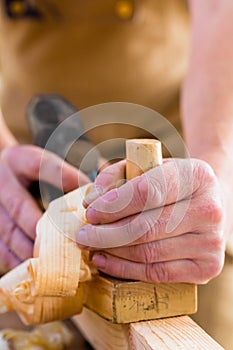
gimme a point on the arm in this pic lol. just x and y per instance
(207, 98)
(194, 250)
(6, 137)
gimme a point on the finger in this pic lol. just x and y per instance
(198, 216)
(7, 259)
(14, 238)
(20, 245)
(18, 203)
(111, 177)
(186, 246)
(171, 182)
(38, 164)
(187, 271)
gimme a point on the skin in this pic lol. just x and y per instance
(190, 250)
(19, 212)
(194, 250)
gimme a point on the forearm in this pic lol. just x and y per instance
(207, 101)
(6, 137)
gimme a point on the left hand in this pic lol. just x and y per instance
(19, 211)
(171, 217)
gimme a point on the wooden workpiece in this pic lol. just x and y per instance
(122, 301)
(165, 334)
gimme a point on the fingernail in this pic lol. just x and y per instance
(99, 261)
(92, 216)
(82, 238)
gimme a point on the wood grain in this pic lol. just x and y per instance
(129, 301)
(165, 334)
(141, 156)
(169, 334)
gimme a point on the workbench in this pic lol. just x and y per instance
(11, 320)
(169, 333)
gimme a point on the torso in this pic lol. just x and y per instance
(91, 54)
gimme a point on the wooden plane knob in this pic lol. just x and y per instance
(141, 156)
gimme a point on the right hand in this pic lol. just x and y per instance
(19, 212)
(165, 226)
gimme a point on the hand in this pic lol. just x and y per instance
(19, 212)
(172, 219)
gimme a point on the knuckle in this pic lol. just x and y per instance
(155, 226)
(213, 268)
(150, 190)
(117, 269)
(121, 270)
(8, 234)
(130, 228)
(204, 173)
(149, 226)
(5, 262)
(158, 251)
(210, 262)
(217, 211)
(145, 227)
(141, 191)
(211, 210)
(158, 191)
(218, 243)
(152, 252)
(157, 272)
(217, 265)
(15, 208)
(148, 253)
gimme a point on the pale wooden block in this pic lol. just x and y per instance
(166, 334)
(100, 333)
(141, 156)
(171, 333)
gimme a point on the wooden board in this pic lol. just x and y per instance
(171, 333)
(130, 301)
(166, 334)
(100, 333)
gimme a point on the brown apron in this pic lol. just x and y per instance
(93, 52)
